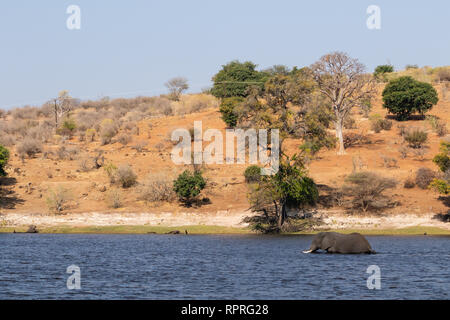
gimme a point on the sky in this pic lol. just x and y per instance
(131, 48)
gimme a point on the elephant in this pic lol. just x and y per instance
(333, 242)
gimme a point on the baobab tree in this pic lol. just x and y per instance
(344, 82)
(176, 87)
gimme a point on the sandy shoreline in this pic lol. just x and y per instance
(224, 219)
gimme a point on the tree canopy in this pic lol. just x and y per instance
(405, 96)
(234, 79)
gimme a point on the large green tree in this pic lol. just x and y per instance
(234, 79)
(4, 157)
(272, 195)
(405, 96)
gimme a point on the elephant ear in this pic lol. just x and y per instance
(328, 242)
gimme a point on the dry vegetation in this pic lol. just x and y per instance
(112, 155)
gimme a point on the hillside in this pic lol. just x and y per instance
(30, 180)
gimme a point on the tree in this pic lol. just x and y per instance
(343, 81)
(442, 160)
(176, 87)
(4, 157)
(278, 105)
(382, 70)
(366, 189)
(188, 186)
(227, 109)
(289, 187)
(62, 105)
(235, 78)
(405, 96)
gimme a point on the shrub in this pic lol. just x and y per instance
(124, 139)
(381, 70)
(4, 157)
(389, 162)
(57, 198)
(29, 147)
(416, 138)
(252, 174)
(125, 176)
(405, 96)
(366, 107)
(90, 135)
(67, 128)
(110, 170)
(227, 109)
(443, 74)
(157, 188)
(352, 139)
(442, 159)
(440, 185)
(188, 186)
(403, 152)
(108, 130)
(437, 125)
(349, 123)
(409, 183)
(384, 69)
(381, 124)
(114, 198)
(424, 176)
(366, 190)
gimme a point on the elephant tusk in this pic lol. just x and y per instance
(307, 251)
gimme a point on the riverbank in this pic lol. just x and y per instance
(221, 222)
(412, 231)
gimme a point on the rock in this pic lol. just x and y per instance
(102, 188)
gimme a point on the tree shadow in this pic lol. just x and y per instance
(8, 198)
(445, 200)
(7, 181)
(413, 117)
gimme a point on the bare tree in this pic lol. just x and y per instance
(62, 105)
(176, 87)
(342, 80)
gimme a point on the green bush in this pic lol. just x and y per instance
(442, 159)
(382, 69)
(227, 109)
(235, 78)
(416, 138)
(405, 96)
(68, 127)
(188, 186)
(252, 174)
(4, 157)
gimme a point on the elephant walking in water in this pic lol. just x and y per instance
(333, 242)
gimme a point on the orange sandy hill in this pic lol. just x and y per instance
(29, 181)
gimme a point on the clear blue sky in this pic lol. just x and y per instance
(127, 48)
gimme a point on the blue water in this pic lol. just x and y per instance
(33, 266)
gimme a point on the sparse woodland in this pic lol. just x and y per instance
(351, 141)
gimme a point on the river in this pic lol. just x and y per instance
(34, 266)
